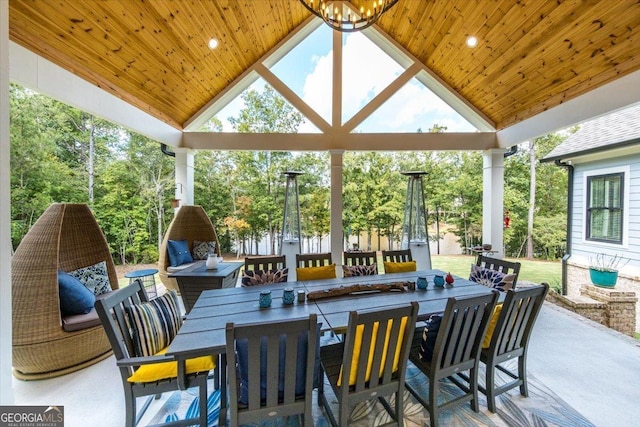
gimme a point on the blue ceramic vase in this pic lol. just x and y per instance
(265, 299)
(438, 281)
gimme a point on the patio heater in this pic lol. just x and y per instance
(414, 227)
(291, 239)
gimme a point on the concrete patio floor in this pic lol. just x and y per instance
(592, 368)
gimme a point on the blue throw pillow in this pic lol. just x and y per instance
(243, 366)
(429, 336)
(75, 298)
(178, 252)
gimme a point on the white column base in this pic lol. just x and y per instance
(290, 248)
(421, 254)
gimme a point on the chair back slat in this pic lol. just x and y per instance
(394, 337)
(265, 263)
(290, 374)
(403, 255)
(273, 354)
(360, 258)
(462, 329)
(313, 260)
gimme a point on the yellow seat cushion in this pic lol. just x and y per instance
(160, 371)
(357, 347)
(316, 273)
(399, 267)
(492, 325)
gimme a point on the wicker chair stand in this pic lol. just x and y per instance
(190, 223)
(65, 237)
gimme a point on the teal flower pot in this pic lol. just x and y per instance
(605, 279)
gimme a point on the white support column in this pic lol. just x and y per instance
(337, 244)
(184, 161)
(6, 328)
(493, 199)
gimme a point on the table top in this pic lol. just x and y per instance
(199, 269)
(203, 331)
(141, 273)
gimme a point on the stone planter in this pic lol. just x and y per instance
(605, 279)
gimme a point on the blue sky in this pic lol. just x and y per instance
(367, 70)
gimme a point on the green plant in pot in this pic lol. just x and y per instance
(604, 270)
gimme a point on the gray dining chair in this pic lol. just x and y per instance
(509, 339)
(131, 323)
(260, 270)
(456, 349)
(360, 263)
(354, 377)
(276, 370)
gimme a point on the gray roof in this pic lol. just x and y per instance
(599, 134)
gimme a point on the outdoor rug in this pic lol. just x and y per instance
(541, 408)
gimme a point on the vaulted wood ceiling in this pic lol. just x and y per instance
(532, 54)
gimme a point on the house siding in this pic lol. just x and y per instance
(582, 249)
(607, 144)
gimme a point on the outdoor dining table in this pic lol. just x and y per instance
(203, 331)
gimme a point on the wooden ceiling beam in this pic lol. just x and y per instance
(349, 142)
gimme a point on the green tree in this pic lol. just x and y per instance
(38, 176)
(134, 194)
(261, 171)
(85, 143)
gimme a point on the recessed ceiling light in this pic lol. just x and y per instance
(472, 41)
(213, 43)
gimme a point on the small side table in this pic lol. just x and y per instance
(148, 279)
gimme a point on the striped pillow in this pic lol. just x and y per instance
(154, 324)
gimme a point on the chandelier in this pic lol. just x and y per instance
(349, 15)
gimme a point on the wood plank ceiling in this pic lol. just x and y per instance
(532, 54)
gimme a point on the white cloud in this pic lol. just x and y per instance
(367, 71)
(412, 107)
(317, 89)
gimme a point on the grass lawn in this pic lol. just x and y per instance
(531, 271)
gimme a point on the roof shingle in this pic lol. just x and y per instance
(603, 132)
